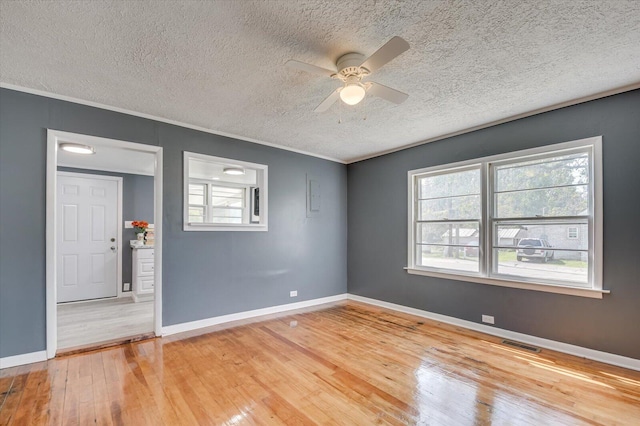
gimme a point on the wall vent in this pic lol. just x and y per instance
(520, 346)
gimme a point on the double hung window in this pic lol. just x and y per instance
(528, 219)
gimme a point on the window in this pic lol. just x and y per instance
(529, 219)
(448, 219)
(223, 194)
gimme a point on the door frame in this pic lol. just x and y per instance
(54, 137)
(119, 206)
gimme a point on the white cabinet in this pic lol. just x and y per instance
(143, 278)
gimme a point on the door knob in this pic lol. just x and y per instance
(113, 248)
(113, 240)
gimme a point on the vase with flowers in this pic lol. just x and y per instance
(140, 227)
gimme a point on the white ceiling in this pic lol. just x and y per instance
(218, 65)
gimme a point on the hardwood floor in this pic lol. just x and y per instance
(345, 363)
(100, 321)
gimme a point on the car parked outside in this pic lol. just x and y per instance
(471, 249)
(534, 248)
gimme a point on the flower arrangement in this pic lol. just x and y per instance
(140, 226)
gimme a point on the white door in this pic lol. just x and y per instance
(87, 259)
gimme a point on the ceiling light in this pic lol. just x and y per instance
(77, 148)
(235, 171)
(352, 93)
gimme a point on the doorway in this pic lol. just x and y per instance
(90, 241)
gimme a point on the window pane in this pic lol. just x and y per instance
(226, 215)
(223, 191)
(539, 264)
(196, 214)
(543, 234)
(564, 201)
(461, 259)
(449, 184)
(227, 220)
(220, 212)
(227, 197)
(572, 169)
(227, 202)
(465, 207)
(196, 194)
(448, 233)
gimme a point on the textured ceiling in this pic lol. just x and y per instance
(219, 64)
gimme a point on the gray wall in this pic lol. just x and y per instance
(137, 204)
(377, 238)
(206, 274)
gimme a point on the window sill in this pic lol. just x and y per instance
(230, 227)
(549, 288)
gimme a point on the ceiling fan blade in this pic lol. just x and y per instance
(387, 93)
(331, 99)
(386, 53)
(303, 66)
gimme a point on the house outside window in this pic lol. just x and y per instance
(528, 219)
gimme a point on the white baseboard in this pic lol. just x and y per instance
(208, 322)
(607, 358)
(13, 361)
(142, 297)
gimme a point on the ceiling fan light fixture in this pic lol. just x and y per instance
(352, 93)
(234, 171)
(77, 148)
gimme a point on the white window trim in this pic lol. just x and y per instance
(595, 251)
(262, 183)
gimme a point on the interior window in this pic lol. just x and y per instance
(224, 195)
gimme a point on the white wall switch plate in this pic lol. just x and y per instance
(488, 319)
(127, 224)
(293, 293)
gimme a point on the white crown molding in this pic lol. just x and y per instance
(577, 101)
(208, 322)
(163, 120)
(22, 359)
(598, 95)
(579, 351)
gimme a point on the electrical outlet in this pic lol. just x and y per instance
(293, 324)
(488, 319)
(127, 224)
(127, 286)
(293, 293)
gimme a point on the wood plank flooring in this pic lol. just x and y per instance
(344, 363)
(100, 321)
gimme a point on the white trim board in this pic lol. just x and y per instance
(615, 91)
(542, 110)
(29, 358)
(160, 119)
(607, 358)
(208, 322)
(579, 351)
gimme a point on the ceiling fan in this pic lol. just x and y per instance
(352, 68)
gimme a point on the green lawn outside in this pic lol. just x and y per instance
(510, 256)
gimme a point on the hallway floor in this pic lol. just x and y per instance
(81, 324)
